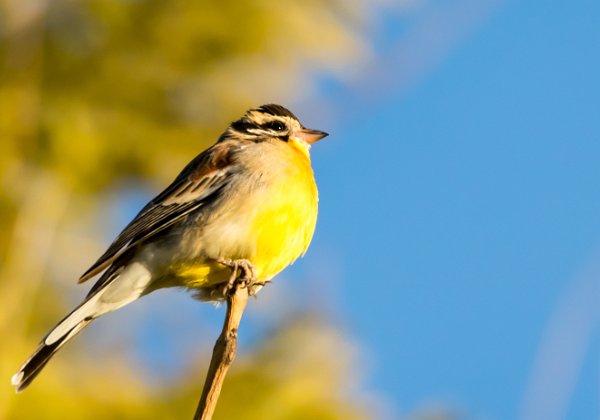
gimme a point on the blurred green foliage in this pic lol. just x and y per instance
(298, 373)
(101, 89)
(94, 92)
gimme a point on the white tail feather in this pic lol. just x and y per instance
(86, 310)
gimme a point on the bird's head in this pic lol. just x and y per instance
(272, 122)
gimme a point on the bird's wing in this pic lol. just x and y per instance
(200, 183)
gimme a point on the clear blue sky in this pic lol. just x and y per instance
(464, 203)
(460, 210)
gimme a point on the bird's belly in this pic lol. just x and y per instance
(196, 265)
(279, 237)
(200, 273)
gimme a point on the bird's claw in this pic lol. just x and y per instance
(242, 275)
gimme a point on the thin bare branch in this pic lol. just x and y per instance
(223, 352)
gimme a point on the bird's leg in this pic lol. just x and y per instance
(245, 278)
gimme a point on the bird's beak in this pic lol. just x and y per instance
(310, 136)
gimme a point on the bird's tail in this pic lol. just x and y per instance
(90, 309)
(56, 338)
(116, 288)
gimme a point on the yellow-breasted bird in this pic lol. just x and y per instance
(247, 202)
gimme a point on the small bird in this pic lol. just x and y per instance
(247, 203)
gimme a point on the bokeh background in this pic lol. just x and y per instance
(455, 271)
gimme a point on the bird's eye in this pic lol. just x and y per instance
(275, 126)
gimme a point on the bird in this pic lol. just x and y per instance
(249, 202)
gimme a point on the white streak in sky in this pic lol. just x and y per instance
(563, 348)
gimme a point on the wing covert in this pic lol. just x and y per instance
(200, 182)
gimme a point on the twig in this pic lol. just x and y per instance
(223, 352)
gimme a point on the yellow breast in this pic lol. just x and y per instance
(285, 223)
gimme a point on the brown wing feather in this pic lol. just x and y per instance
(199, 183)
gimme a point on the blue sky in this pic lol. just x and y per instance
(459, 233)
(464, 203)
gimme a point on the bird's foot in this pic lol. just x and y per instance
(242, 275)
